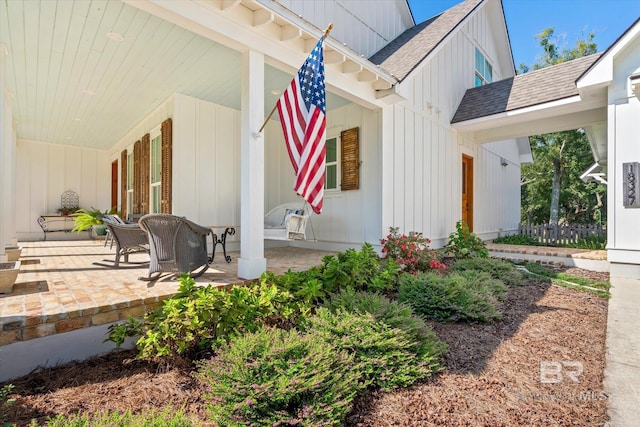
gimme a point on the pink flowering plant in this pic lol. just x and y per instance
(410, 251)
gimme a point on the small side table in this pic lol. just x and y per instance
(229, 230)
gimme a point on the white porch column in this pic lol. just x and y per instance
(386, 169)
(5, 159)
(252, 262)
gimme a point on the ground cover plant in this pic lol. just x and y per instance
(339, 354)
(592, 243)
(166, 417)
(587, 284)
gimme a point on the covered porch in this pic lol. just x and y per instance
(215, 69)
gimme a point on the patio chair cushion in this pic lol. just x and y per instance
(285, 222)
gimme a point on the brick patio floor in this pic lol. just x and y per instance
(67, 285)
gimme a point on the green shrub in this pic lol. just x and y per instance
(391, 313)
(118, 332)
(361, 270)
(200, 317)
(167, 417)
(515, 239)
(389, 357)
(306, 285)
(593, 243)
(275, 377)
(468, 295)
(411, 252)
(463, 243)
(498, 269)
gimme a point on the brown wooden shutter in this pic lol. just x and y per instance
(350, 157)
(145, 174)
(137, 177)
(165, 179)
(123, 183)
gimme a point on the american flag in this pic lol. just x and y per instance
(302, 109)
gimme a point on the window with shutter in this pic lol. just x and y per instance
(123, 183)
(350, 159)
(156, 172)
(165, 178)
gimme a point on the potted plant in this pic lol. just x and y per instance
(87, 218)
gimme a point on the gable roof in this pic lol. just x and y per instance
(605, 62)
(410, 48)
(524, 90)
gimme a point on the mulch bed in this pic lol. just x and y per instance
(492, 375)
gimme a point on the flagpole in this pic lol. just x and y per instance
(325, 33)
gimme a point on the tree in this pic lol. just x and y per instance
(551, 188)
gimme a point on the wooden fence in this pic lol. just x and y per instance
(553, 235)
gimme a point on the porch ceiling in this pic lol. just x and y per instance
(70, 83)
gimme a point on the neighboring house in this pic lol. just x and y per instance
(155, 106)
(600, 93)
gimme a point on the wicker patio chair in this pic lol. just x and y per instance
(176, 245)
(115, 219)
(129, 238)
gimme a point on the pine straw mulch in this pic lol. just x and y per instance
(492, 375)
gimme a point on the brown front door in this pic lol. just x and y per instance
(114, 184)
(467, 190)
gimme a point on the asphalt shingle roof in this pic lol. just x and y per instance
(524, 90)
(410, 48)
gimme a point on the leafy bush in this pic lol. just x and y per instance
(468, 295)
(389, 357)
(361, 270)
(391, 313)
(498, 269)
(5, 401)
(168, 417)
(515, 239)
(120, 331)
(200, 317)
(306, 285)
(463, 243)
(275, 377)
(411, 251)
(595, 243)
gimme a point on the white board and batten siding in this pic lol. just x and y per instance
(44, 171)
(206, 162)
(349, 218)
(426, 153)
(362, 25)
(623, 240)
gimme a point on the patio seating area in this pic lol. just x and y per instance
(69, 285)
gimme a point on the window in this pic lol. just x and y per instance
(156, 173)
(130, 168)
(342, 171)
(484, 70)
(331, 171)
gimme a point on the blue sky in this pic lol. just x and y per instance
(571, 19)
